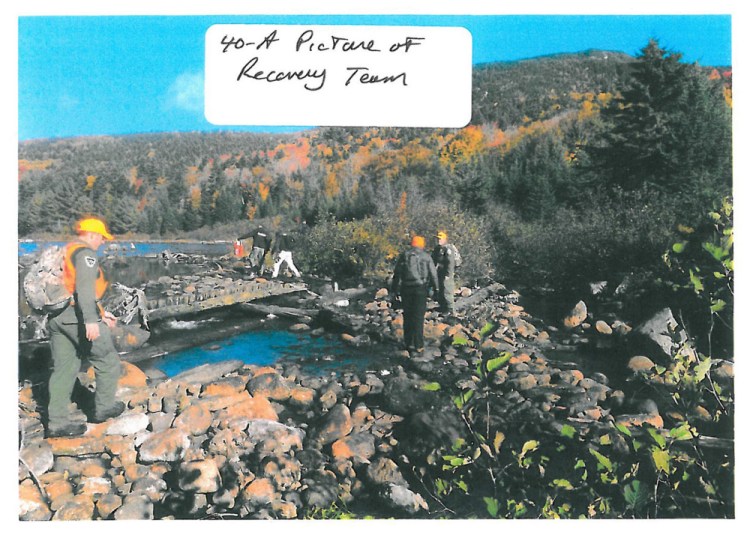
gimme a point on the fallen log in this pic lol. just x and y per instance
(478, 296)
(305, 315)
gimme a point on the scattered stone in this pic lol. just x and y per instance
(199, 476)
(359, 447)
(32, 505)
(135, 507)
(128, 424)
(576, 316)
(401, 498)
(79, 507)
(382, 293)
(194, 420)
(384, 471)
(602, 327)
(170, 445)
(208, 373)
(640, 364)
(336, 424)
(260, 492)
(38, 457)
(321, 489)
(658, 335)
(270, 385)
(107, 504)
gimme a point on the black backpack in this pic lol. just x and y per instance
(414, 273)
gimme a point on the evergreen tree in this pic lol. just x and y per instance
(672, 124)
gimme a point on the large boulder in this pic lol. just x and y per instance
(658, 336)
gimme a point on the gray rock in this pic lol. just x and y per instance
(402, 499)
(208, 373)
(199, 476)
(37, 457)
(335, 424)
(170, 445)
(128, 424)
(160, 421)
(576, 316)
(657, 336)
(403, 395)
(136, 507)
(383, 472)
(274, 437)
(322, 489)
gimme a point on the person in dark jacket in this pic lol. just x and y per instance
(445, 262)
(413, 277)
(282, 251)
(261, 245)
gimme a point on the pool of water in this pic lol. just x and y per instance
(268, 347)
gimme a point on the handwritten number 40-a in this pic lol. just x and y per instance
(238, 42)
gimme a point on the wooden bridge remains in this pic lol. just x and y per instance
(180, 296)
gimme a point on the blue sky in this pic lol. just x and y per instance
(106, 75)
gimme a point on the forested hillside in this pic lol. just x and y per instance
(573, 166)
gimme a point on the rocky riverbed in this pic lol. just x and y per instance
(231, 440)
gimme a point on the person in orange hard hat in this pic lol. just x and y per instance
(413, 276)
(82, 330)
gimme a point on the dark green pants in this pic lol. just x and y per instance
(414, 301)
(69, 346)
(445, 292)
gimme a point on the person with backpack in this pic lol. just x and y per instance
(261, 245)
(446, 258)
(413, 277)
(81, 329)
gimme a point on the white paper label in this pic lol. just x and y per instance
(295, 75)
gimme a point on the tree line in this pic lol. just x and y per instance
(573, 165)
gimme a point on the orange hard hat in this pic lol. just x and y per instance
(92, 224)
(417, 241)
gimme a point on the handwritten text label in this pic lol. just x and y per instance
(294, 75)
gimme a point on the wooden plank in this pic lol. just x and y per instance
(170, 308)
(287, 312)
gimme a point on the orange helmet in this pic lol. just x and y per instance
(93, 224)
(417, 241)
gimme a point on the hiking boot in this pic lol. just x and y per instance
(66, 429)
(115, 410)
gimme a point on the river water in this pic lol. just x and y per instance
(265, 341)
(259, 341)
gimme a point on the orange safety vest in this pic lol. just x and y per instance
(69, 272)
